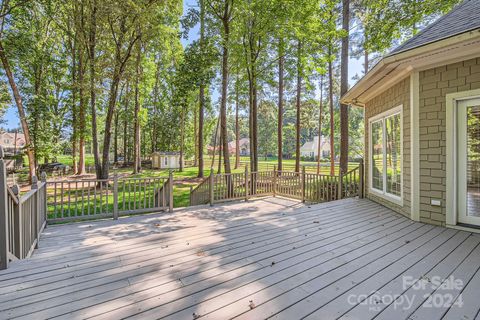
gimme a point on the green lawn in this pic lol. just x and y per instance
(188, 177)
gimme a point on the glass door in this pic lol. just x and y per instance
(468, 159)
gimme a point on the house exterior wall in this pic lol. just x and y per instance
(435, 84)
(398, 94)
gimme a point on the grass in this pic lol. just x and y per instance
(183, 181)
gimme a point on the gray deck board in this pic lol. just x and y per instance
(248, 260)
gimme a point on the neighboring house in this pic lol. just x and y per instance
(165, 160)
(12, 142)
(310, 148)
(244, 144)
(422, 122)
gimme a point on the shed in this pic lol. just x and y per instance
(166, 160)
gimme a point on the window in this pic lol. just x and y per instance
(166, 161)
(386, 154)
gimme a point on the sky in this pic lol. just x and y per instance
(12, 120)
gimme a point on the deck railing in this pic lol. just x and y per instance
(107, 198)
(200, 194)
(22, 217)
(304, 186)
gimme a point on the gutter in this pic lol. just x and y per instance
(363, 86)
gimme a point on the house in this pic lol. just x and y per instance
(165, 160)
(244, 144)
(422, 122)
(12, 142)
(310, 148)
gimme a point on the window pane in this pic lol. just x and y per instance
(473, 161)
(377, 155)
(394, 163)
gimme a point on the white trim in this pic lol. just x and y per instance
(451, 165)
(463, 228)
(383, 194)
(461, 47)
(415, 146)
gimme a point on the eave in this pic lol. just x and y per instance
(393, 68)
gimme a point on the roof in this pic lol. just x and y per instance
(451, 38)
(313, 145)
(307, 146)
(167, 153)
(463, 18)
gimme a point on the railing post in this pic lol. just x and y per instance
(303, 183)
(191, 191)
(340, 184)
(246, 182)
(170, 191)
(210, 186)
(115, 196)
(43, 179)
(35, 214)
(274, 180)
(3, 214)
(17, 225)
(361, 179)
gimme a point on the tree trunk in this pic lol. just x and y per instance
(332, 122)
(298, 103)
(255, 118)
(223, 106)
(112, 100)
(201, 112)
(320, 113)
(215, 139)
(281, 67)
(115, 140)
(137, 162)
(195, 138)
(125, 124)
(344, 88)
(92, 41)
(201, 96)
(219, 170)
(365, 63)
(74, 107)
(182, 138)
(237, 126)
(21, 112)
(81, 113)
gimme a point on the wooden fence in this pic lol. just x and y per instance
(304, 186)
(108, 198)
(22, 217)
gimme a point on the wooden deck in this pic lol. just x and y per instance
(348, 259)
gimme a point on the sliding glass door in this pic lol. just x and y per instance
(468, 160)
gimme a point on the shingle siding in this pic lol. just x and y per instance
(434, 85)
(398, 94)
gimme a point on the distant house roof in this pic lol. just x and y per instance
(310, 146)
(11, 137)
(463, 18)
(453, 37)
(167, 153)
(241, 142)
(307, 146)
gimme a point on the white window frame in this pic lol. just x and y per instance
(383, 193)
(451, 159)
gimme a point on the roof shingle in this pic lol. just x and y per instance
(463, 18)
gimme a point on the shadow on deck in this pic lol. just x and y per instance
(272, 257)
